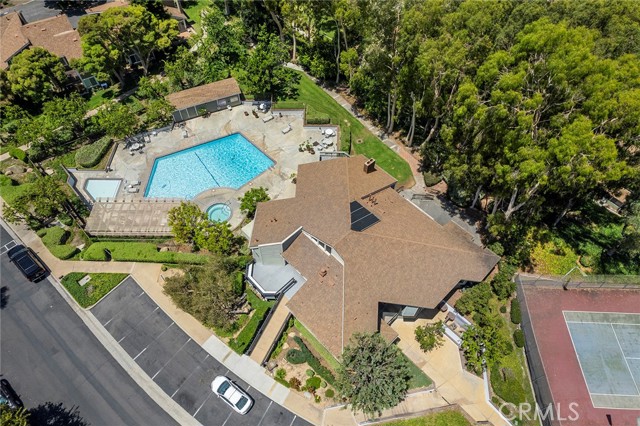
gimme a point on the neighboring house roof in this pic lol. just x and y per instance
(53, 34)
(405, 258)
(12, 41)
(106, 6)
(175, 13)
(205, 93)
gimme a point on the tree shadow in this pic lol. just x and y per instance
(4, 296)
(55, 414)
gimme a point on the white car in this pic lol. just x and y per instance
(230, 393)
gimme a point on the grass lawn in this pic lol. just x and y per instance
(193, 9)
(133, 251)
(363, 141)
(100, 97)
(11, 192)
(89, 294)
(317, 346)
(418, 378)
(443, 418)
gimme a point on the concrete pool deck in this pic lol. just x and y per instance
(268, 137)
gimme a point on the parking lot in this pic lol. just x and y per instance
(178, 364)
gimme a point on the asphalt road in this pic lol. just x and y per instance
(61, 371)
(178, 364)
(36, 10)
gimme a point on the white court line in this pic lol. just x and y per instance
(625, 361)
(603, 323)
(294, 419)
(228, 417)
(202, 405)
(575, 351)
(612, 394)
(265, 413)
(172, 357)
(185, 381)
(631, 357)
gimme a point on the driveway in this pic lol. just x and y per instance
(178, 364)
(63, 374)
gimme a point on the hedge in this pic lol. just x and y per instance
(126, 251)
(518, 338)
(295, 356)
(63, 252)
(516, 315)
(18, 154)
(6, 181)
(242, 341)
(313, 362)
(89, 294)
(90, 155)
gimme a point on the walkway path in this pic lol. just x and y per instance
(453, 383)
(6, 155)
(271, 332)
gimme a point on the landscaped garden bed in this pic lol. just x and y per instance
(90, 292)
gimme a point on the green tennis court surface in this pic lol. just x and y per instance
(608, 349)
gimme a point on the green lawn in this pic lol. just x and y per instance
(418, 378)
(317, 346)
(192, 10)
(89, 294)
(100, 97)
(134, 251)
(443, 418)
(363, 141)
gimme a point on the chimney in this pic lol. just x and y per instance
(323, 272)
(370, 165)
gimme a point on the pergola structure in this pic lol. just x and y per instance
(136, 217)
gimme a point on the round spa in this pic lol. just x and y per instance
(219, 212)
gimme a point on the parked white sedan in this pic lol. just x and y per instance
(230, 393)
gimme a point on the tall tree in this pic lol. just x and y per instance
(36, 75)
(38, 204)
(264, 72)
(374, 375)
(117, 120)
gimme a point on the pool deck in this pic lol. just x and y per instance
(268, 137)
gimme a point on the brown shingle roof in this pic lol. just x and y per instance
(12, 41)
(55, 35)
(205, 93)
(174, 12)
(406, 258)
(106, 6)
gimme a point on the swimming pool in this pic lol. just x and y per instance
(219, 212)
(231, 161)
(102, 188)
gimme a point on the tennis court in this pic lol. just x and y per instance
(608, 349)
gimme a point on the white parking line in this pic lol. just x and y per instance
(202, 405)
(228, 417)
(5, 248)
(141, 352)
(185, 381)
(133, 329)
(173, 356)
(294, 419)
(265, 413)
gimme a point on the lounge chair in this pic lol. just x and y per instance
(268, 118)
(134, 183)
(286, 129)
(133, 190)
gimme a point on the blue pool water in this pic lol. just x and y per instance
(102, 188)
(231, 161)
(219, 212)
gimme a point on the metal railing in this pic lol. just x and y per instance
(263, 326)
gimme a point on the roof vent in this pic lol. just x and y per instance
(323, 272)
(370, 165)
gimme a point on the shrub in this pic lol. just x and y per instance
(18, 154)
(238, 283)
(281, 373)
(6, 181)
(65, 219)
(497, 248)
(518, 338)
(503, 309)
(245, 337)
(317, 399)
(295, 356)
(430, 179)
(501, 284)
(250, 200)
(128, 251)
(313, 383)
(474, 299)
(313, 362)
(310, 372)
(55, 236)
(63, 252)
(318, 120)
(90, 155)
(516, 315)
(295, 383)
(329, 393)
(430, 336)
